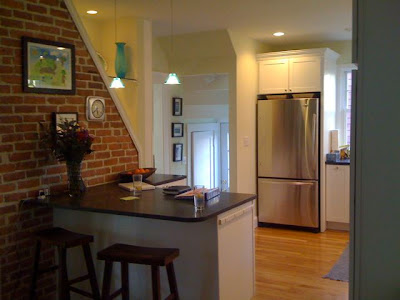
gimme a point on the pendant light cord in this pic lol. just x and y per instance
(172, 34)
(115, 21)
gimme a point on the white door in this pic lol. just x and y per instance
(203, 158)
(224, 145)
(203, 152)
(305, 74)
(274, 75)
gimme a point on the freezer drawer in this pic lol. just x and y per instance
(288, 202)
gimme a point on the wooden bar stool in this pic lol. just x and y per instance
(126, 254)
(64, 239)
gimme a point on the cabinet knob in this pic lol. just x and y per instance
(285, 90)
(290, 89)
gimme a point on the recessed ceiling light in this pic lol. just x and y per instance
(279, 33)
(92, 12)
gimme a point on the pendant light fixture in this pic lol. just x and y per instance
(172, 77)
(120, 61)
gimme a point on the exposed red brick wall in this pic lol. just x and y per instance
(23, 168)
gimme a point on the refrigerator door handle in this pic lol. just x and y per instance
(283, 181)
(314, 134)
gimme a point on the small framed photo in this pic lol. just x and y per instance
(178, 152)
(177, 106)
(177, 129)
(62, 117)
(48, 66)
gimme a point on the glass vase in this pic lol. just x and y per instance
(76, 186)
(120, 61)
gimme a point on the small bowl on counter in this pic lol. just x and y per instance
(126, 176)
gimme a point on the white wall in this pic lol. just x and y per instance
(204, 107)
(375, 157)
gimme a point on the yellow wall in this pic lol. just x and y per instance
(243, 113)
(193, 54)
(134, 97)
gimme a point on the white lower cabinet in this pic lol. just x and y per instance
(338, 193)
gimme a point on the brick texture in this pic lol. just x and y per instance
(24, 168)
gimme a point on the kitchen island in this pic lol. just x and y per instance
(216, 245)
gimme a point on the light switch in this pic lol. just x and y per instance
(246, 141)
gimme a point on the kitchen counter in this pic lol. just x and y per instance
(216, 260)
(152, 204)
(339, 162)
(161, 179)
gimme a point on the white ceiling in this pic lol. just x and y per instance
(303, 21)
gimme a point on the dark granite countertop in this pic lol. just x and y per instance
(152, 204)
(339, 162)
(158, 179)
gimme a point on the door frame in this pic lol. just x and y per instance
(222, 138)
(191, 127)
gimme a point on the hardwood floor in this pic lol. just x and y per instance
(290, 264)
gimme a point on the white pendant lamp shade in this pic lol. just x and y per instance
(117, 83)
(172, 79)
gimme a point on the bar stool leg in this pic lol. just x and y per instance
(173, 287)
(105, 294)
(155, 281)
(64, 287)
(32, 294)
(125, 280)
(91, 271)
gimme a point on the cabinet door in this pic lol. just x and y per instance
(337, 193)
(305, 74)
(273, 76)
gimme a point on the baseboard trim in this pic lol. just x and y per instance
(338, 226)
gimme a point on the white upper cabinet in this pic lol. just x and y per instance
(296, 71)
(273, 76)
(305, 74)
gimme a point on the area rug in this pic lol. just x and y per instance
(340, 271)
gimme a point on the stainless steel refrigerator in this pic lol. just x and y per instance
(288, 164)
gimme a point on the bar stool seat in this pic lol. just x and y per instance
(138, 255)
(64, 239)
(154, 257)
(60, 237)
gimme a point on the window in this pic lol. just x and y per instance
(348, 107)
(343, 120)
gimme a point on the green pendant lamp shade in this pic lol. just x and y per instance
(172, 79)
(120, 60)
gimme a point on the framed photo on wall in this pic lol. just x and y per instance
(48, 66)
(177, 130)
(178, 152)
(61, 117)
(176, 106)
